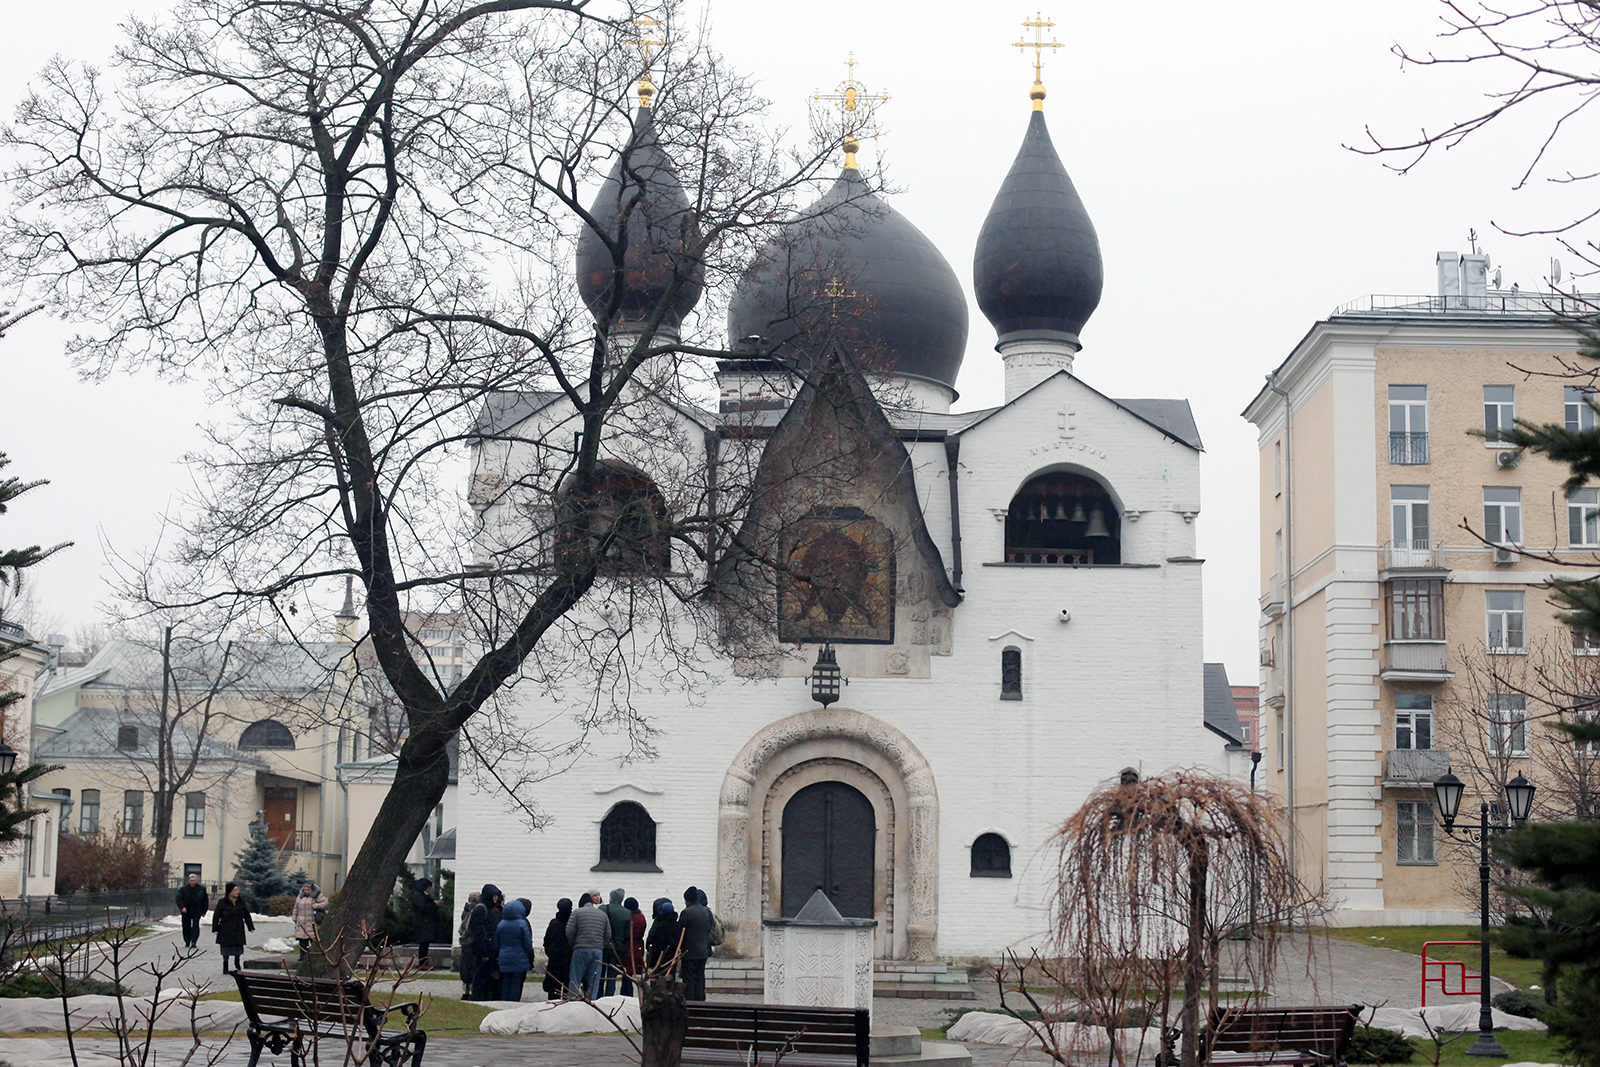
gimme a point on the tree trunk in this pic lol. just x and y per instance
(1194, 964)
(664, 1018)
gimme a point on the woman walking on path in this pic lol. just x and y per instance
(558, 951)
(513, 940)
(307, 909)
(229, 920)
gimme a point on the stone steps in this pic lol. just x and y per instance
(904, 1044)
(890, 978)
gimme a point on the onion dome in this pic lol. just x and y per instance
(856, 272)
(644, 187)
(1037, 267)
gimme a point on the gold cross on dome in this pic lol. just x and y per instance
(643, 41)
(855, 103)
(835, 291)
(1038, 24)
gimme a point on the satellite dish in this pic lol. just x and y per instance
(1555, 272)
(1497, 278)
(1487, 262)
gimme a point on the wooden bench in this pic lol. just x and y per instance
(1270, 1035)
(295, 1013)
(726, 1033)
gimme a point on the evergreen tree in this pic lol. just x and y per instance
(260, 871)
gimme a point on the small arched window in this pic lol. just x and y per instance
(625, 512)
(266, 733)
(991, 857)
(1011, 674)
(1064, 519)
(627, 839)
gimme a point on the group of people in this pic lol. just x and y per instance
(590, 949)
(231, 921)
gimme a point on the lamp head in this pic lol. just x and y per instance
(825, 677)
(8, 758)
(1447, 791)
(1519, 798)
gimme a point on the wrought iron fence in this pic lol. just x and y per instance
(1408, 449)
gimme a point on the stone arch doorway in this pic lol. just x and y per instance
(873, 760)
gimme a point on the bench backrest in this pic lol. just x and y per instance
(770, 1027)
(285, 996)
(1248, 1029)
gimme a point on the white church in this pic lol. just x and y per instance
(1020, 621)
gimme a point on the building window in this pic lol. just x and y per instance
(627, 839)
(194, 869)
(1245, 731)
(1282, 745)
(266, 733)
(1579, 403)
(1408, 424)
(1502, 515)
(991, 857)
(624, 515)
(1416, 609)
(1064, 519)
(1584, 643)
(132, 812)
(194, 815)
(1508, 724)
(1506, 616)
(1413, 720)
(89, 812)
(1414, 832)
(1583, 518)
(1408, 508)
(1011, 674)
(127, 738)
(1499, 413)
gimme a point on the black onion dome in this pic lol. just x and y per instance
(1037, 266)
(661, 226)
(856, 271)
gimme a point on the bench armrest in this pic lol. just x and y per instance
(376, 1015)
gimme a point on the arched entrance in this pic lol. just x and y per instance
(829, 841)
(876, 762)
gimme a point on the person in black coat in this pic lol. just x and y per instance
(229, 921)
(424, 921)
(661, 944)
(557, 951)
(193, 903)
(480, 931)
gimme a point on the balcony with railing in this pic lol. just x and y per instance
(1414, 554)
(1416, 661)
(298, 841)
(1272, 599)
(1408, 449)
(1272, 690)
(1508, 302)
(1414, 768)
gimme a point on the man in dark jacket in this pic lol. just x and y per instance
(616, 955)
(424, 921)
(480, 932)
(192, 907)
(695, 925)
(587, 932)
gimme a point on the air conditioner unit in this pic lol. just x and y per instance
(1507, 458)
(1505, 554)
(1266, 658)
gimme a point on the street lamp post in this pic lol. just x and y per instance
(1519, 798)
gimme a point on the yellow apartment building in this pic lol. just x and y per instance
(1401, 631)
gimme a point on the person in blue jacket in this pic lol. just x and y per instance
(513, 942)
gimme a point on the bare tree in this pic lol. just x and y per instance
(358, 222)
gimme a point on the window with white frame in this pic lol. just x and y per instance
(1408, 507)
(1414, 832)
(1416, 609)
(1584, 643)
(1413, 720)
(1508, 724)
(1506, 617)
(1588, 713)
(132, 812)
(1502, 515)
(1499, 413)
(1246, 734)
(194, 815)
(1583, 518)
(1408, 424)
(1580, 407)
(89, 811)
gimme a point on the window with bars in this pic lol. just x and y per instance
(1011, 674)
(1506, 620)
(627, 839)
(194, 815)
(1416, 609)
(991, 857)
(1408, 424)
(1414, 840)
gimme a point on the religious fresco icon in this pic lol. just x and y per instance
(838, 583)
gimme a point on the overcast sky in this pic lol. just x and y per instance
(1205, 140)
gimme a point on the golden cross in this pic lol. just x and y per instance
(1038, 24)
(850, 96)
(644, 42)
(835, 291)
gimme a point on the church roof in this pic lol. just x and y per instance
(94, 733)
(1221, 714)
(1174, 418)
(1037, 269)
(854, 271)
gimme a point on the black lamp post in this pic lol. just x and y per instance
(1519, 798)
(8, 758)
(826, 678)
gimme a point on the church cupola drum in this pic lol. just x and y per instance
(1037, 270)
(643, 208)
(856, 273)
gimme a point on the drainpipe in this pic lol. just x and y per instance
(952, 454)
(222, 824)
(1288, 616)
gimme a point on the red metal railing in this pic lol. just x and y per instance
(1446, 969)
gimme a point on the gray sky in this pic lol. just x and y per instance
(1204, 140)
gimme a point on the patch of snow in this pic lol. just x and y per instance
(278, 944)
(603, 1016)
(24, 1014)
(994, 1028)
(1448, 1018)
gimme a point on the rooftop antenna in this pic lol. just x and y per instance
(1497, 277)
(1472, 239)
(1555, 272)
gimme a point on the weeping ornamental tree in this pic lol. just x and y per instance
(1153, 878)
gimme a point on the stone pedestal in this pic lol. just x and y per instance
(818, 958)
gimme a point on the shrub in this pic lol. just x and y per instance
(43, 985)
(282, 904)
(102, 862)
(1369, 1044)
(1520, 1002)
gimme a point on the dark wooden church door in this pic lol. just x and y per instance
(829, 843)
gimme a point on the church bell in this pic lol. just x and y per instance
(1097, 524)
